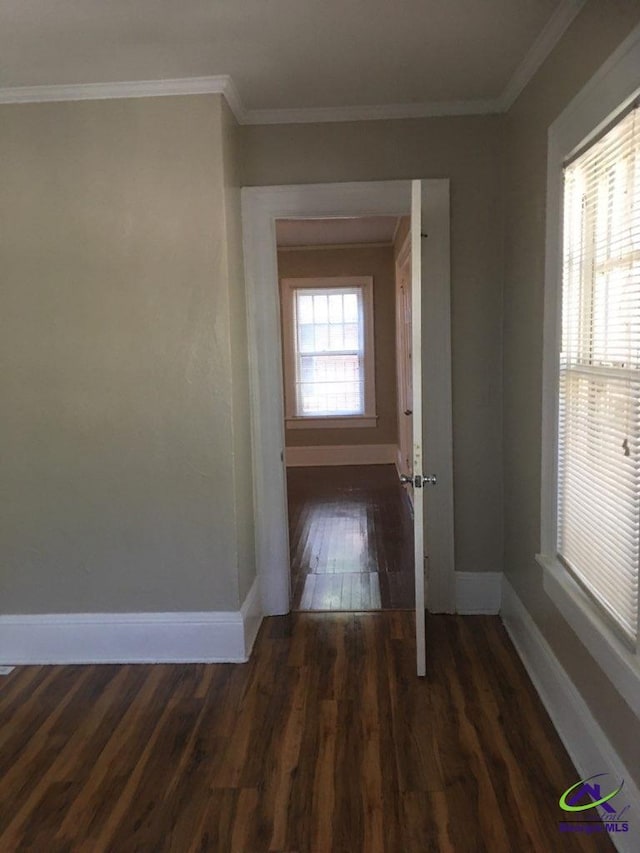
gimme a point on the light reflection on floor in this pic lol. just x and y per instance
(351, 539)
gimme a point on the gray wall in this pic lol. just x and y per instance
(595, 33)
(119, 455)
(467, 150)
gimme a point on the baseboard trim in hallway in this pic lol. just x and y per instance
(587, 745)
(339, 455)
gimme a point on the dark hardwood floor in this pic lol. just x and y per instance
(325, 741)
(351, 539)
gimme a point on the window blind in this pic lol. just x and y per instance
(599, 391)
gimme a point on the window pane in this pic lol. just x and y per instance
(307, 368)
(335, 308)
(351, 336)
(326, 399)
(306, 338)
(336, 337)
(305, 308)
(322, 338)
(350, 308)
(330, 385)
(320, 308)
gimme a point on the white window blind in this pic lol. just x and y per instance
(329, 352)
(599, 414)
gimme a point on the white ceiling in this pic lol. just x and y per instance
(288, 54)
(335, 232)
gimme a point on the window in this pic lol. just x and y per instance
(599, 388)
(590, 502)
(329, 351)
(328, 343)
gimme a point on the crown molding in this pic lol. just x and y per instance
(549, 37)
(373, 112)
(233, 99)
(222, 84)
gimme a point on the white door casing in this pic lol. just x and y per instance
(261, 207)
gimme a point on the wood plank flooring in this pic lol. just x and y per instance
(351, 539)
(324, 741)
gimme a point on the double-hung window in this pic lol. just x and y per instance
(590, 508)
(328, 351)
(599, 389)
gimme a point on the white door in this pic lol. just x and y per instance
(431, 477)
(403, 355)
(419, 551)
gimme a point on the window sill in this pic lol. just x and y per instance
(358, 421)
(620, 664)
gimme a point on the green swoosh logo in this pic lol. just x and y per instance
(562, 802)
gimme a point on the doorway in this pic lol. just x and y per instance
(350, 524)
(262, 207)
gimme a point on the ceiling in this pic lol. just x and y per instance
(335, 232)
(287, 55)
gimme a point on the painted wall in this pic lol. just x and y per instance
(467, 150)
(592, 37)
(376, 261)
(123, 383)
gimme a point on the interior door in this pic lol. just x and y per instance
(403, 350)
(416, 387)
(432, 410)
(432, 414)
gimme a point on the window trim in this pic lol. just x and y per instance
(606, 96)
(294, 421)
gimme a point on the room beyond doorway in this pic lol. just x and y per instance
(351, 539)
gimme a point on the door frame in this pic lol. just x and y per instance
(261, 207)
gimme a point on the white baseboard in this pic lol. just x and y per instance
(83, 638)
(584, 740)
(341, 454)
(478, 592)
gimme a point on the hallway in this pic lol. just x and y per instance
(351, 539)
